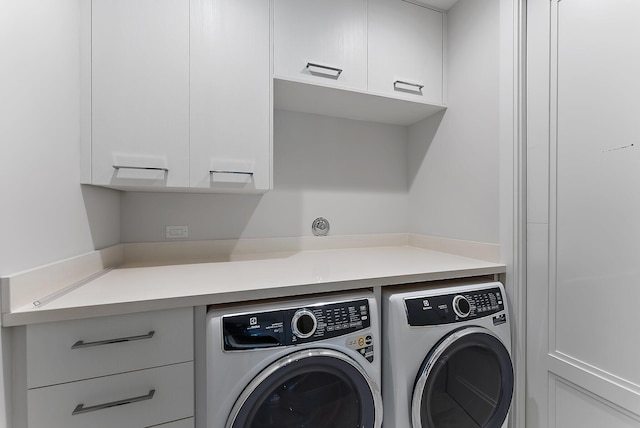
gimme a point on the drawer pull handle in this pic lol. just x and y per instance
(81, 409)
(401, 82)
(81, 344)
(337, 70)
(219, 171)
(141, 167)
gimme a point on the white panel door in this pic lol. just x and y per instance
(598, 185)
(583, 345)
(230, 95)
(332, 34)
(405, 50)
(140, 92)
(578, 408)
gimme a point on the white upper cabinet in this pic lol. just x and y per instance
(230, 95)
(140, 93)
(180, 95)
(323, 42)
(405, 50)
(372, 60)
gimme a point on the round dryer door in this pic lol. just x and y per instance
(313, 388)
(466, 381)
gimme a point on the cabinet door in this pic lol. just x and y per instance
(328, 33)
(405, 50)
(140, 93)
(230, 95)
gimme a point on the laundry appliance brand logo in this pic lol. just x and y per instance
(253, 321)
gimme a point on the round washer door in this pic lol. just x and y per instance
(313, 388)
(466, 381)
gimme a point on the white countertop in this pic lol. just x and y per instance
(134, 289)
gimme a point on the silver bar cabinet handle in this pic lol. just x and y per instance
(417, 85)
(219, 171)
(81, 344)
(81, 409)
(326, 67)
(140, 167)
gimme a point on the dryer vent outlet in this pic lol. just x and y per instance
(320, 226)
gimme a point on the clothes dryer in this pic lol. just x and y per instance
(312, 362)
(446, 356)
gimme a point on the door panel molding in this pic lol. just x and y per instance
(608, 389)
(560, 387)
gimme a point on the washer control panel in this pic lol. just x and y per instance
(295, 325)
(452, 308)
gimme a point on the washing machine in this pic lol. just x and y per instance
(312, 363)
(446, 356)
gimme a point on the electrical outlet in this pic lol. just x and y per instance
(177, 232)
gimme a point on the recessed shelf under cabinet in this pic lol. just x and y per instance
(296, 95)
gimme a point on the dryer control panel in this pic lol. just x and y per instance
(452, 308)
(294, 325)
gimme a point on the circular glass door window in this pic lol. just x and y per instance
(309, 389)
(466, 381)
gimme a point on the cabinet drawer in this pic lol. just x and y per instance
(139, 399)
(81, 349)
(182, 423)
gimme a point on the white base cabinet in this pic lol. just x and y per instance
(134, 370)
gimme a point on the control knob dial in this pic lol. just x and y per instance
(304, 323)
(461, 306)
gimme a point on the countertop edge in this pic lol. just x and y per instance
(35, 316)
(27, 294)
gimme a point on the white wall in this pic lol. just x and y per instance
(351, 172)
(45, 214)
(454, 158)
